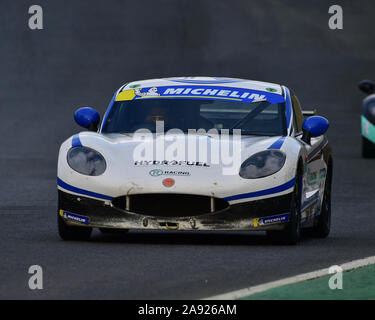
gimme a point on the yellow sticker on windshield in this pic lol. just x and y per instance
(126, 95)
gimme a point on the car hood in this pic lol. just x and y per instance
(140, 164)
(186, 149)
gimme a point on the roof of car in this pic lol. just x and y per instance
(206, 81)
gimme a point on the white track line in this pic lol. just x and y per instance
(237, 294)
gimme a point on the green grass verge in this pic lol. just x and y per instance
(358, 284)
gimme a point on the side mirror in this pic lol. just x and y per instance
(88, 118)
(367, 86)
(313, 127)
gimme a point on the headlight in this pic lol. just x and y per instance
(86, 161)
(262, 164)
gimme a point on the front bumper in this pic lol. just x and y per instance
(266, 214)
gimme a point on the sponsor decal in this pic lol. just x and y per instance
(151, 92)
(156, 173)
(271, 89)
(170, 163)
(134, 86)
(201, 92)
(312, 176)
(309, 201)
(168, 182)
(74, 217)
(259, 222)
(322, 173)
(159, 172)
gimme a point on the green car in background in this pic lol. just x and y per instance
(368, 119)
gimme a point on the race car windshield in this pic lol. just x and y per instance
(257, 118)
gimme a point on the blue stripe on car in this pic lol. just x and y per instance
(277, 144)
(71, 188)
(76, 142)
(265, 192)
(288, 108)
(318, 149)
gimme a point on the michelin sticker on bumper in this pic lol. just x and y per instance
(259, 222)
(74, 217)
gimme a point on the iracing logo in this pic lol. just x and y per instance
(156, 172)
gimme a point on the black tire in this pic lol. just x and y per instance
(368, 148)
(292, 233)
(72, 232)
(323, 221)
(113, 231)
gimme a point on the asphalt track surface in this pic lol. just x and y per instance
(86, 50)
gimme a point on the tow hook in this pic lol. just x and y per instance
(170, 225)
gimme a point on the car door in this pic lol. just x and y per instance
(315, 168)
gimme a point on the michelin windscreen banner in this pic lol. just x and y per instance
(201, 92)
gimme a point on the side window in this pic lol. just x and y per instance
(297, 112)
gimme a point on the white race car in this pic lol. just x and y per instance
(197, 153)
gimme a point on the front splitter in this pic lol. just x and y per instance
(268, 214)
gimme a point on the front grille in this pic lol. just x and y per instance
(170, 204)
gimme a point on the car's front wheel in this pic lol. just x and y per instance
(72, 232)
(292, 233)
